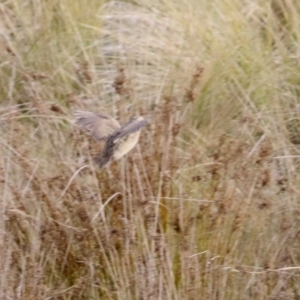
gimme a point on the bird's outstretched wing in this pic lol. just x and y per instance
(101, 126)
(130, 127)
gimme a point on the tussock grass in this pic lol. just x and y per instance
(206, 206)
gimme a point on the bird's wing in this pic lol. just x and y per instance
(130, 127)
(103, 159)
(101, 125)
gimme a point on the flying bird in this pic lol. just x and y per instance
(119, 139)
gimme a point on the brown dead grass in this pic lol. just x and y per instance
(205, 207)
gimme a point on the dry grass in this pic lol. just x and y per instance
(207, 206)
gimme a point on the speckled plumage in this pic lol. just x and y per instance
(119, 139)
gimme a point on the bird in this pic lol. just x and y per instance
(119, 140)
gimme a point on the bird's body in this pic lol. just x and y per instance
(126, 144)
(119, 139)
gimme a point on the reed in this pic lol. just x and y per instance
(206, 206)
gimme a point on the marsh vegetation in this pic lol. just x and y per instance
(207, 206)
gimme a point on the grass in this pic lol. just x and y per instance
(206, 206)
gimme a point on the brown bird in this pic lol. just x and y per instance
(119, 139)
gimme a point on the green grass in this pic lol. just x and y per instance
(206, 206)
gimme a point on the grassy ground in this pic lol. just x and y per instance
(207, 206)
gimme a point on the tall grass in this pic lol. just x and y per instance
(206, 206)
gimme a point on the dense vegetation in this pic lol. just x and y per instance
(207, 206)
